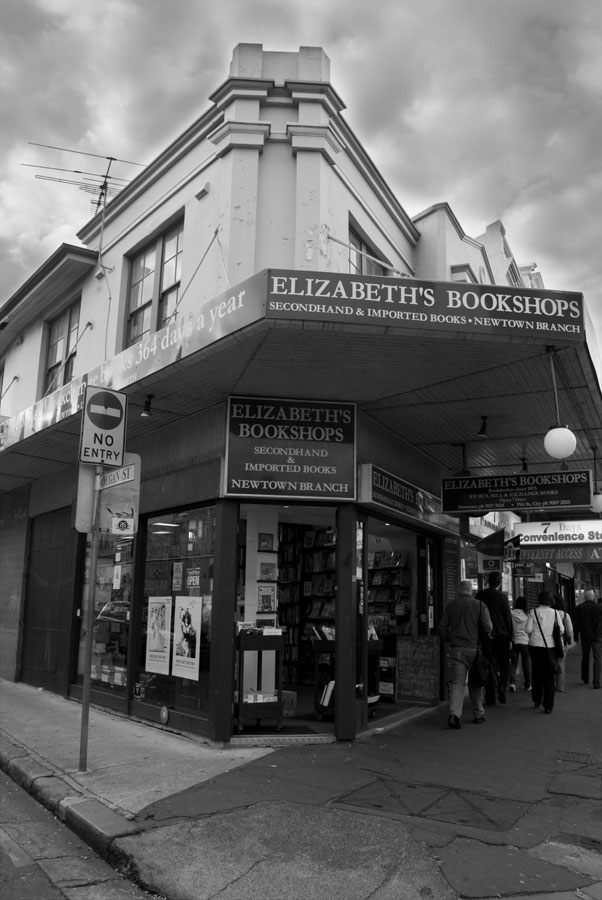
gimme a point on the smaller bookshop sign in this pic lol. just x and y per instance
(545, 490)
(290, 449)
(386, 489)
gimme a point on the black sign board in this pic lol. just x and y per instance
(290, 448)
(544, 490)
(417, 673)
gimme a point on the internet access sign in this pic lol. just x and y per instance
(103, 427)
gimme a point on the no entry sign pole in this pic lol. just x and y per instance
(102, 442)
(89, 625)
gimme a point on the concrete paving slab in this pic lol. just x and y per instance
(271, 851)
(480, 870)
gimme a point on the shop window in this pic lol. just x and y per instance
(154, 288)
(173, 662)
(112, 614)
(62, 342)
(363, 257)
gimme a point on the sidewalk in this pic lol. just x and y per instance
(511, 808)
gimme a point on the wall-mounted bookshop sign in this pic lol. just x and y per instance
(564, 533)
(545, 490)
(408, 303)
(384, 489)
(290, 449)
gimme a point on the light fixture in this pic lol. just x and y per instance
(560, 441)
(464, 472)
(525, 467)
(146, 411)
(596, 494)
(482, 432)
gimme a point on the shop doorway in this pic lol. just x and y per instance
(286, 615)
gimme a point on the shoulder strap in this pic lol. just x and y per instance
(540, 628)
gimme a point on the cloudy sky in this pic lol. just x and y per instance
(494, 106)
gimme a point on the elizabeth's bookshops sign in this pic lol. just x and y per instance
(290, 449)
(545, 490)
(408, 303)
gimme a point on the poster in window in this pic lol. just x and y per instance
(186, 638)
(158, 635)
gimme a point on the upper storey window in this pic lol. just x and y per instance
(362, 257)
(62, 343)
(155, 276)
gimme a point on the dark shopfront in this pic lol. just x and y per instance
(355, 594)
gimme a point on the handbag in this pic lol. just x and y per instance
(558, 642)
(479, 669)
(553, 659)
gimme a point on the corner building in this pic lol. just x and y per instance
(303, 363)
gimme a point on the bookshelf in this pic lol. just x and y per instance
(306, 595)
(389, 585)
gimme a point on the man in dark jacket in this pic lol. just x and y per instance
(587, 624)
(462, 622)
(499, 610)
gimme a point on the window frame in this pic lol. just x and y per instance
(59, 371)
(158, 300)
(363, 250)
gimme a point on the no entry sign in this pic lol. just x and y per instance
(103, 427)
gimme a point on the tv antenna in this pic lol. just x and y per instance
(101, 185)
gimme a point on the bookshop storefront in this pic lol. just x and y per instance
(302, 601)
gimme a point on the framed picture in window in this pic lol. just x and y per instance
(265, 542)
(267, 571)
(266, 598)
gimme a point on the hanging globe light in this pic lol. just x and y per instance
(560, 441)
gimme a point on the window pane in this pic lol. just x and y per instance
(167, 306)
(73, 328)
(169, 272)
(139, 324)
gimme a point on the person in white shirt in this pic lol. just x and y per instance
(540, 628)
(520, 640)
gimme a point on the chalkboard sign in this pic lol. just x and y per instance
(418, 669)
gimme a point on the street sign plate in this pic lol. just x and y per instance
(103, 427)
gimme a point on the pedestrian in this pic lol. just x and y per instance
(587, 622)
(520, 641)
(499, 610)
(568, 637)
(462, 622)
(540, 628)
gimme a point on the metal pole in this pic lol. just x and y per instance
(89, 625)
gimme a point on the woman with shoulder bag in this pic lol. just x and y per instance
(568, 638)
(540, 628)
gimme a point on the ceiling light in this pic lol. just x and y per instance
(146, 411)
(482, 432)
(560, 441)
(464, 472)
